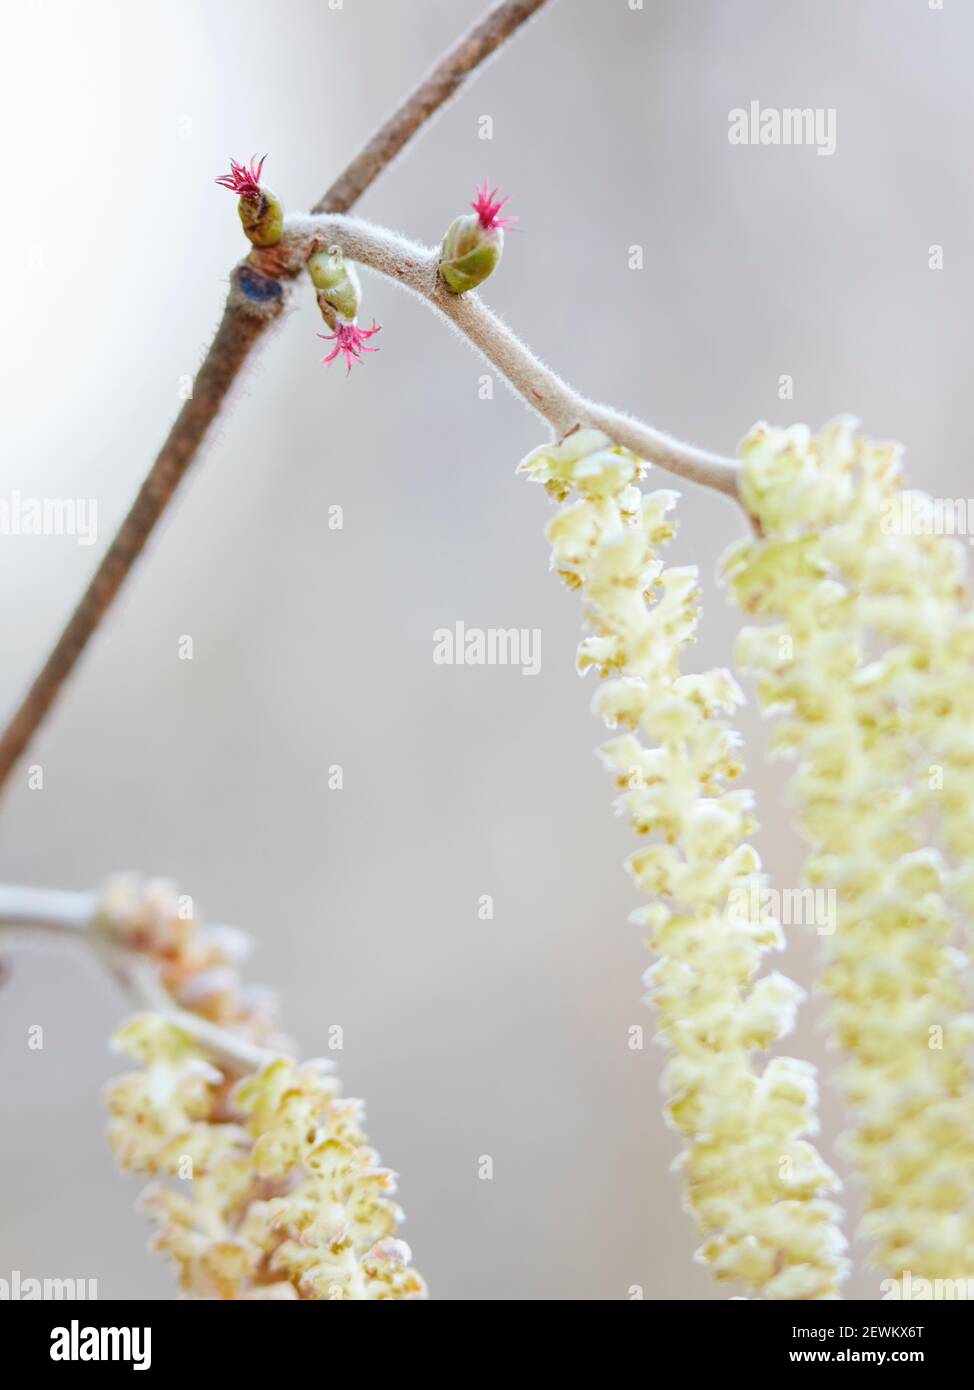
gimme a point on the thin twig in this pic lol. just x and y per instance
(237, 334)
(415, 267)
(438, 87)
(253, 304)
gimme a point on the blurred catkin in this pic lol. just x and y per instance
(274, 1191)
(869, 660)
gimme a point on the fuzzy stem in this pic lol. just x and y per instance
(45, 909)
(244, 323)
(415, 267)
(70, 915)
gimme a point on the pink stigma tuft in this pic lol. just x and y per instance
(487, 206)
(350, 340)
(243, 180)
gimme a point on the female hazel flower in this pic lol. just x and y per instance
(487, 206)
(474, 243)
(350, 340)
(260, 212)
(243, 180)
(755, 1184)
(339, 294)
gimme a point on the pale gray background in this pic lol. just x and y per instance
(314, 647)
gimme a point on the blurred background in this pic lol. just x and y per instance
(312, 647)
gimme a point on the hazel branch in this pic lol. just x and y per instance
(415, 267)
(253, 304)
(446, 78)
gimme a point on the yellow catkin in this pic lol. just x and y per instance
(275, 1192)
(867, 656)
(755, 1184)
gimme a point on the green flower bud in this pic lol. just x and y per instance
(469, 254)
(260, 212)
(474, 243)
(337, 283)
(327, 311)
(262, 218)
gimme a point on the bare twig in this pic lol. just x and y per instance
(254, 302)
(228, 352)
(438, 87)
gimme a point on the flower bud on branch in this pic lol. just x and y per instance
(474, 243)
(260, 212)
(339, 299)
(339, 288)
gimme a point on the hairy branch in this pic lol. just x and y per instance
(415, 267)
(58, 913)
(252, 306)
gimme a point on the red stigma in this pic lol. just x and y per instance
(243, 180)
(350, 340)
(487, 206)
